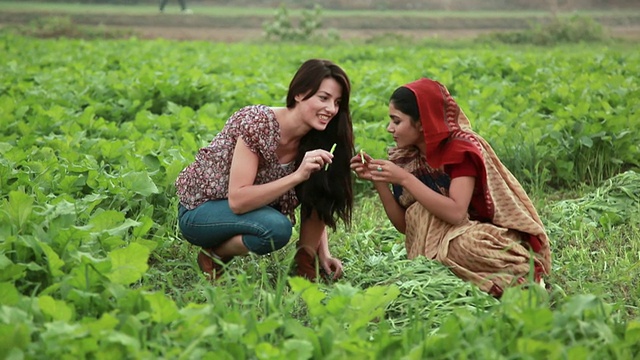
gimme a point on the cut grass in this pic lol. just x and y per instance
(587, 258)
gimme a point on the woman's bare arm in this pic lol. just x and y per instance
(244, 196)
(452, 209)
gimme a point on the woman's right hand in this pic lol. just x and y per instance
(313, 161)
(332, 266)
(359, 164)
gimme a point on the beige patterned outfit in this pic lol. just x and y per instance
(503, 235)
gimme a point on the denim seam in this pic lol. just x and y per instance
(240, 223)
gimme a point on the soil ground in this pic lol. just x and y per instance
(236, 35)
(201, 27)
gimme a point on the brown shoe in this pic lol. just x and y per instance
(307, 266)
(211, 264)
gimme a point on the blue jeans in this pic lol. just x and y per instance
(212, 223)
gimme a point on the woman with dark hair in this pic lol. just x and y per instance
(451, 196)
(240, 193)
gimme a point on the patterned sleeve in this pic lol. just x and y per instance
(259, 130)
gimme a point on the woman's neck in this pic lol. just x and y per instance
(422, 146)
(292, 129)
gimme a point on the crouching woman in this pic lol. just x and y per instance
(241, 192)
(451, 196)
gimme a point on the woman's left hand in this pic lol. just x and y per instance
(358, 164)
(332, 266)
(386, 171)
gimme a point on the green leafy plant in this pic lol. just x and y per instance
(285, 28)
(92, 263)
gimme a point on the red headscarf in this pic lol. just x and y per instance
(449, 138)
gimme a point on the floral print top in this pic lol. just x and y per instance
(207, 178)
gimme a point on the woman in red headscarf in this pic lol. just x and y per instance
(452, 197)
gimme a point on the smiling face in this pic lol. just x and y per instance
(318, 110)
(406, 132)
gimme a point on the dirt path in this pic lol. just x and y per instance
(235, 35)
(200, 27)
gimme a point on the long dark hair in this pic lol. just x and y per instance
(328, 192)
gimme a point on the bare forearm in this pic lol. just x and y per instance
(313, 234)
(248, 198)
(394, 211)
(323, 249)
(439, 205)
(313, 237)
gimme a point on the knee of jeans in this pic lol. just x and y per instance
(281, 233)
(280, 230)
(273, 241)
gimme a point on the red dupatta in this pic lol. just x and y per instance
(443, 125)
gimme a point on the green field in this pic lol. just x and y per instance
(92, 264)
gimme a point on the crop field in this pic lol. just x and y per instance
(94, 133)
